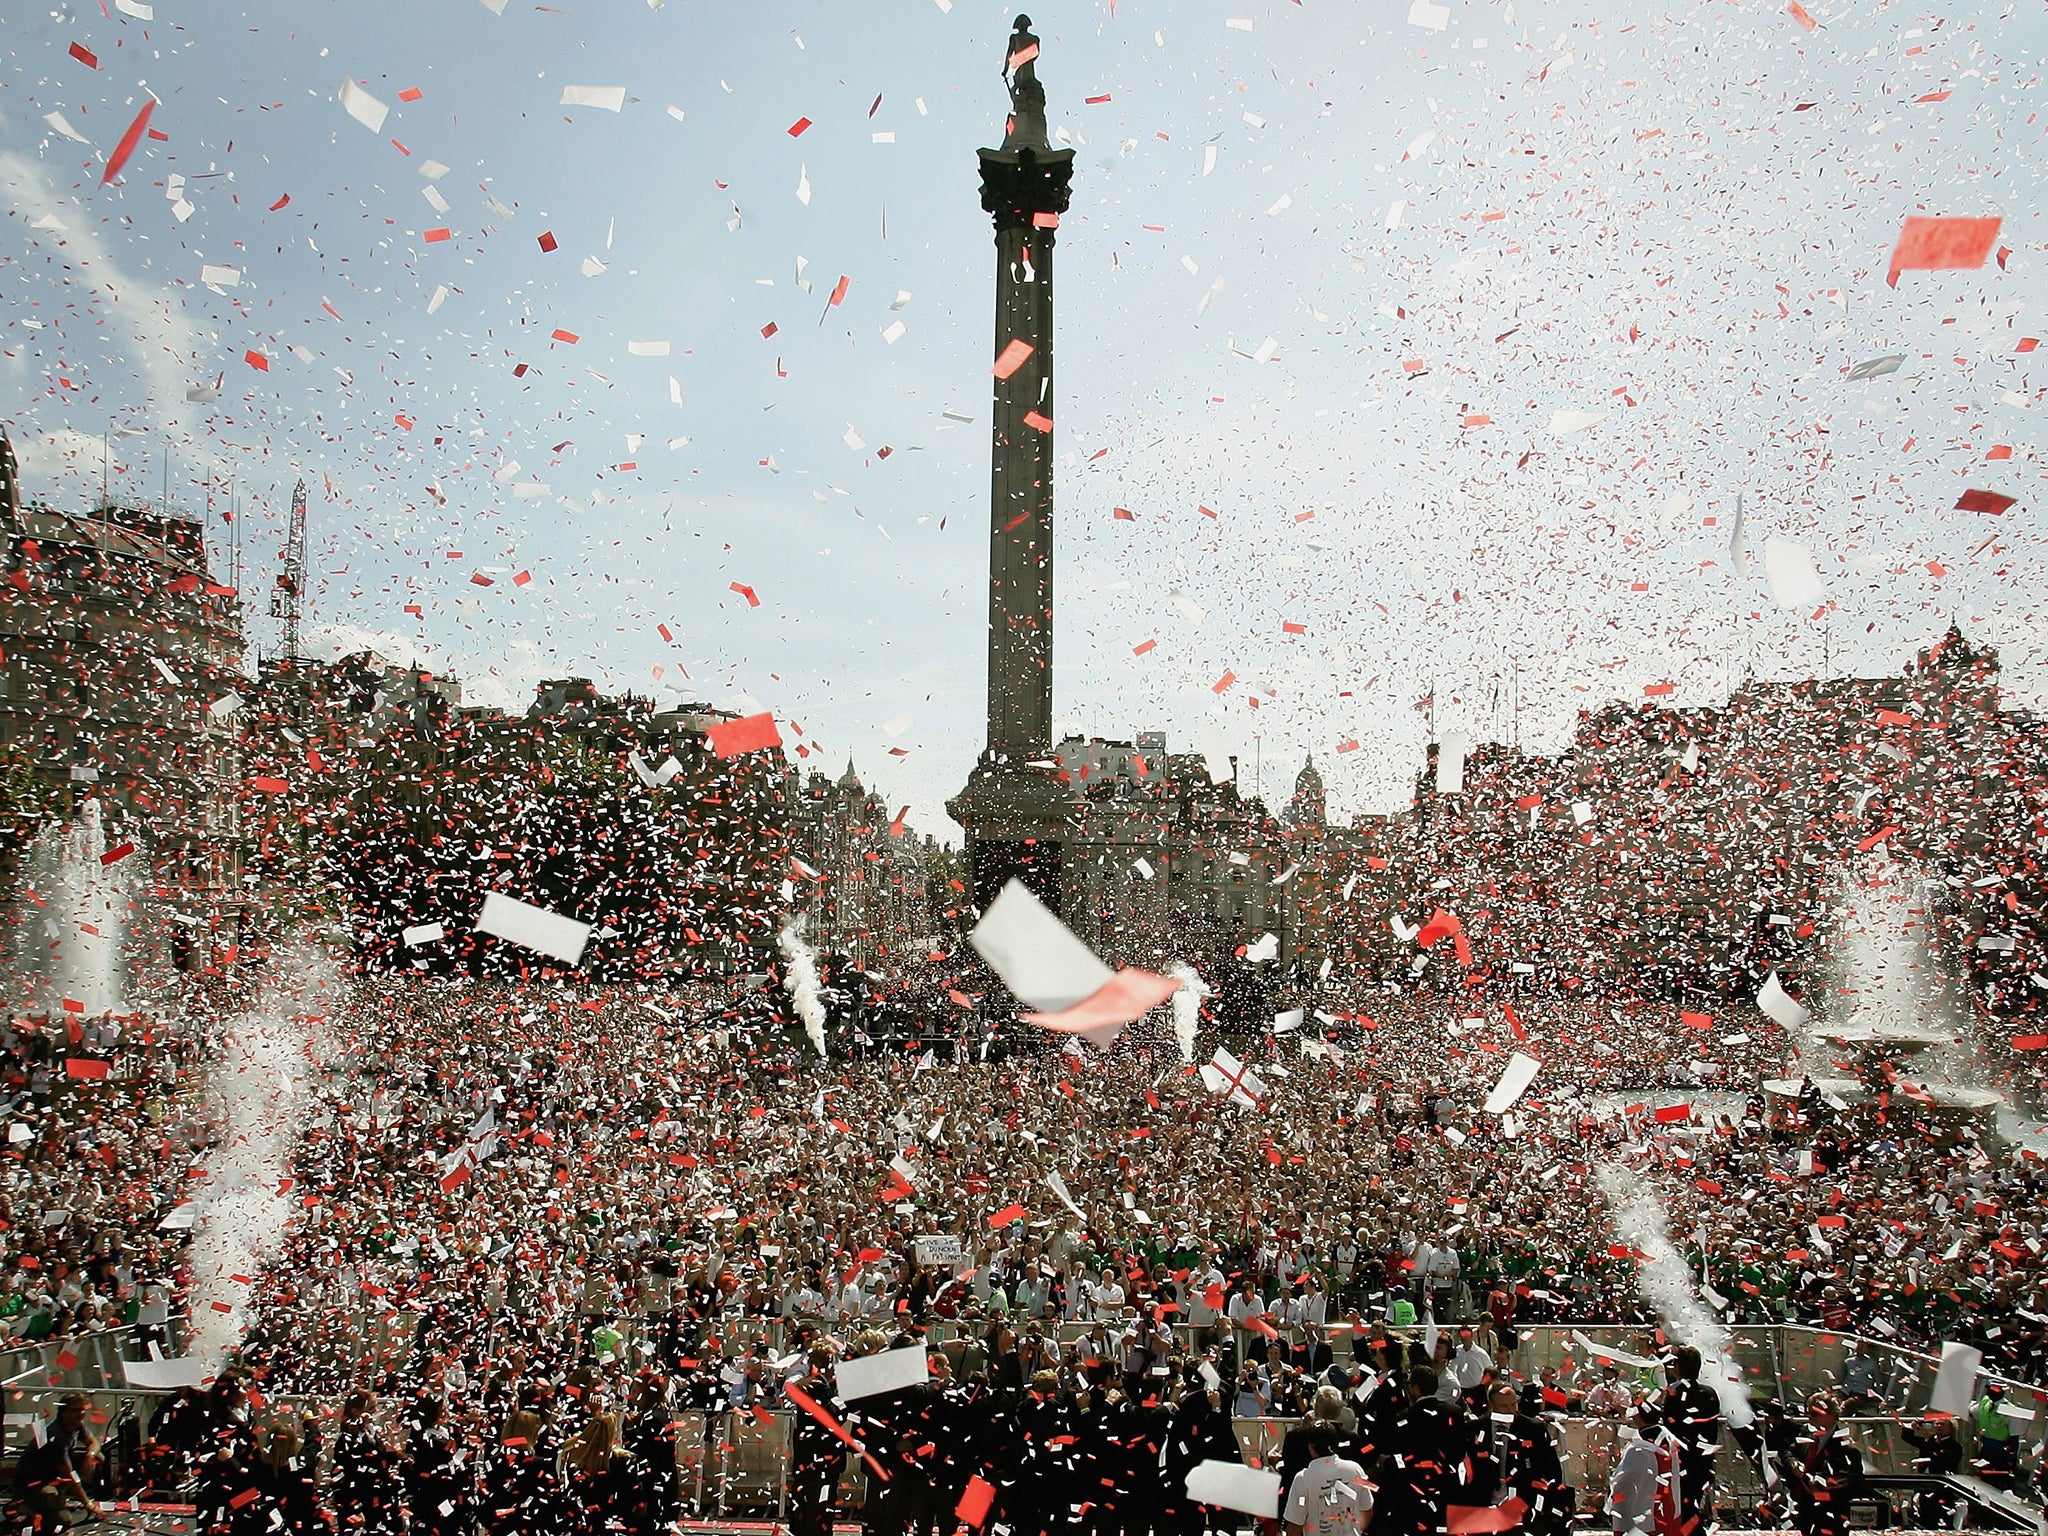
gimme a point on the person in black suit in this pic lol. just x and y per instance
(1201, 1431)
(1423, 1461)
(1514, 1456)
(817, 1456)
(1692, 1412)
(438, 1485)
(1823, 1472)
(1937, 1453)
(1383, 1404)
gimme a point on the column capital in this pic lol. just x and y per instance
(1018, 185)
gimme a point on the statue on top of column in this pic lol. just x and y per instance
(1027, 96)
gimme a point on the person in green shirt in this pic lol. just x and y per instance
(1400, 1310)
(1994, 1459)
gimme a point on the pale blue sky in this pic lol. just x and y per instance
(1678, 217)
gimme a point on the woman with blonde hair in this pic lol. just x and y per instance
(287, 1452)
(521, 1494)
(600, 1472)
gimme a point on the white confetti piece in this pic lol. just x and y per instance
(363, 107)
(606, 98)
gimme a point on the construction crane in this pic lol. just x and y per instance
(291, 581)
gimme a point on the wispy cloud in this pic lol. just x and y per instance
(162, 343)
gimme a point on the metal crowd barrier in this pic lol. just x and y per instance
(84, 1360)
(739, 1462)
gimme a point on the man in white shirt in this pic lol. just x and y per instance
(1469, 1364)
(1033, 1291)
(1344, 1260)
(1244, 1302)
(1200, 1313)
(1443, 1279)
(1109, 1296)
(1330, 1496)
(1632, 1491)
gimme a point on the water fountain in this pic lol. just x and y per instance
(76, 953)
(1887, 1014)
(259, 1085)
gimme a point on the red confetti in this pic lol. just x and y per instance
(1942, 245)
(1984, 501)
(750, 733)
(128, 142)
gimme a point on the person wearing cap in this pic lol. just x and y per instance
(1994, 1459)
(1440, 1271)
(1400, 1310)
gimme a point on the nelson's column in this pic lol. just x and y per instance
(1014, 806)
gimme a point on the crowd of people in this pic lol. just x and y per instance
(602, 1209)
(99, 1132)
(577, 1159)
(549, 1440)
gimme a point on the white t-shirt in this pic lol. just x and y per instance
(1469, 1367)
(1329, 1498)
(1243, 1305)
